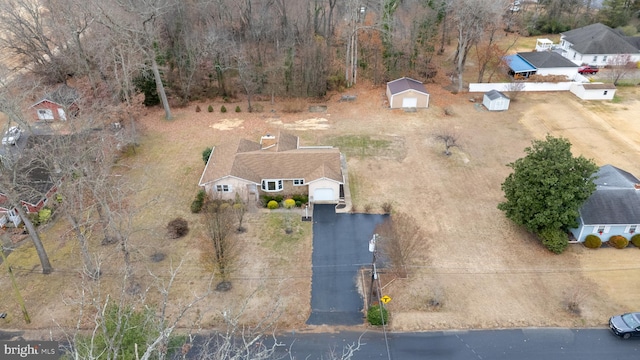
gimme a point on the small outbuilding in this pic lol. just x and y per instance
(407, 93)
(593, 91)
(494, 100)
(57, 105)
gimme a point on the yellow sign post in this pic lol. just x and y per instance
(385, 299)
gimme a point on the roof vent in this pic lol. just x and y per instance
(636, 186)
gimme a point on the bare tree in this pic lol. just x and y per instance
(515, 88)
(400, 240)
(471, 18)
(219, 224)
(620, 66)
(450, 138)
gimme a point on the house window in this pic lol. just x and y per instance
(604, 58)
(298, 182)
(605, 92)
(271, 185)
(574, 55)
(599, 229)
(45, 114)
(223, 188)
(595, 59)
(631, 229)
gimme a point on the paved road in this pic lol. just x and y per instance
(340, 248)
(521, 344)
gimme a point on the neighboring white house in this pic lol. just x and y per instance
(275, 166)
(494, 100)
(593, 91)
(407, 93)
(596, 44)
(525, 64)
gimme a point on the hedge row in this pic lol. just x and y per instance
(616, 241)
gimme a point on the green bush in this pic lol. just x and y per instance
(196, 205)
(375, 317)
(618, 241)
(206, 154)
(210, 108)
(635, 240)
(267, 198)
(273, 204)
(302, 198)
(223, 109)
(238, 109)
(289, 203)
(592, 241)
(555, 240)
(44, 215)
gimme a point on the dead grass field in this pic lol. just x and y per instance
(482, 270)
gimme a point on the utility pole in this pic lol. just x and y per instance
(374, 274)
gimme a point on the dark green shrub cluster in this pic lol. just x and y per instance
(635, 240)
(592, 242)
(238, 109)
(618, 241)
(177, 228)
(266, 198)
(273, 204)
(206, 154)
(223, 109)
(196, 205)
(377, 317)
(210, 108)
(555, 240)
(300, 198)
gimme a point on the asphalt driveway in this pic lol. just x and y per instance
(340, 248)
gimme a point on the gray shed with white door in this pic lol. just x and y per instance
(494, 100)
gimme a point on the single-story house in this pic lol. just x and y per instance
(613, 209)
(34, 196)
(407, 93)
(58, 104)
(593, 91)
(277, 165)
(494, 100)
(596, 44)
(525, 64)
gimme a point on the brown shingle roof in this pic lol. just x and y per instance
(251, 163)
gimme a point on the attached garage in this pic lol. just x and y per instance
(323, 194)
(407, 93)
(324, 191)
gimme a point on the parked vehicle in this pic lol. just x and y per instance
(625, 325)
(587, 70)
(12, 136)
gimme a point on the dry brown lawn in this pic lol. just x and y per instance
(481, 270)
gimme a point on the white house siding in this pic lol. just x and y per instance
(569, 72)
(601, 60)
(324, 184)
(236, 185)
(581, 232)
(395, 101)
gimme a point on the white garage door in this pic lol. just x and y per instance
(323, 195)
(409, 102)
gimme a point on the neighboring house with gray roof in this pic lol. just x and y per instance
(613, 209)
(278, 165)
(407, 93)
(543, 63)
(596, 44)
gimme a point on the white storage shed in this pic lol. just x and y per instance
(494, 100)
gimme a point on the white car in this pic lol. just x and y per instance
(11, 136)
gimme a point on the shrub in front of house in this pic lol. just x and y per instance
(198, 202)
(555, 240)
(302, 198)
(377, 317)
(618, 241)
(272, 204)
(289, 203)
(267, 198)
(635, 240)
(592, 242)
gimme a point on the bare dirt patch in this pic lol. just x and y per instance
(481, 272)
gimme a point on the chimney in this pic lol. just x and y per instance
(636, 186)
(267, 141)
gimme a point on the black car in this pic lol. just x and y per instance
(625, 325)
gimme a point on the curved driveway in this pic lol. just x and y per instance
(340, 248)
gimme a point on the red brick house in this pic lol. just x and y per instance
(57, 105)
